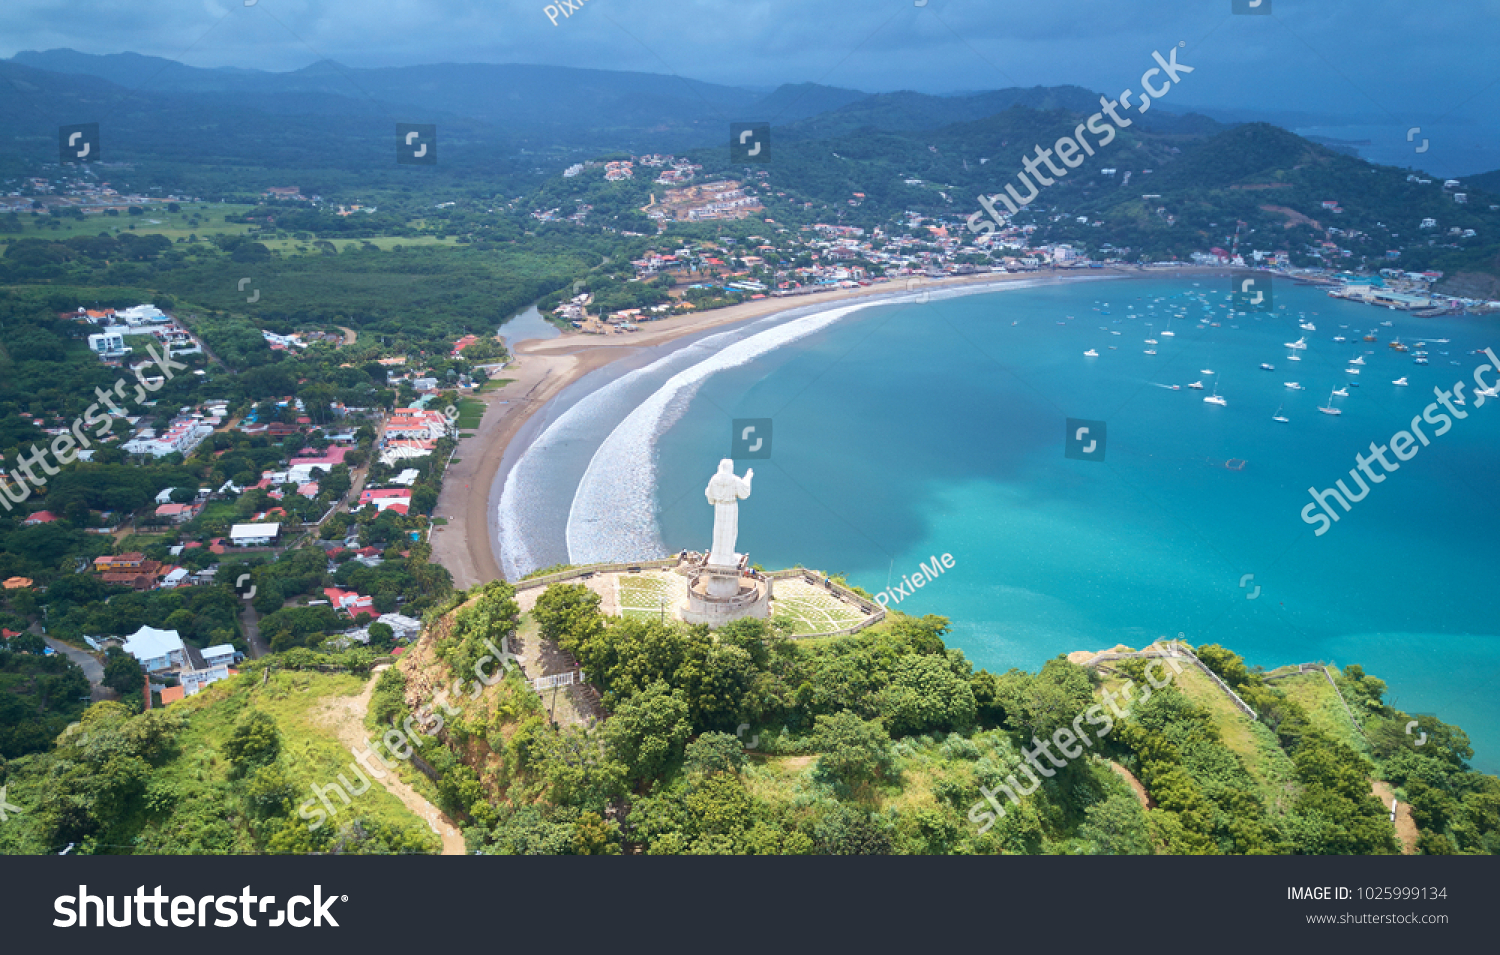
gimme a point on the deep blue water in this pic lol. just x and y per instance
(906, 431)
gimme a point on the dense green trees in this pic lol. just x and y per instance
(122, 673)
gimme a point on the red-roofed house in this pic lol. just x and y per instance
(179, 513)
(349, 600)
(463, 343)
(385, 498)
(40, 517)
(326, 460)
(416, 423)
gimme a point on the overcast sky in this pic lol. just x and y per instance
(1405, 61)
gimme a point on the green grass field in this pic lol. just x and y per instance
(1313, 692)
(180, 225)
(156, 221)
(302, 704)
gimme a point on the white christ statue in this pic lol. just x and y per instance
(725, 491)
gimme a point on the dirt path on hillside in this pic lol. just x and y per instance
(1135, 784)
(1406, 827)
(346, 716)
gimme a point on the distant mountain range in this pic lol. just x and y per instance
(510, 127)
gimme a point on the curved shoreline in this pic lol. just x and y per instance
(543, 369)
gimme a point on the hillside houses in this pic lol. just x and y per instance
(416, 423)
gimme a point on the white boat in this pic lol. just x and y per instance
(1198, 385)
(1294, 357)
(1330, 409)
(1113, 332)
(1278, 416)
(1214, 398)
(1150, 351)
(1357, 360)
(1386, 324)
(1422, 361)
(1401, 381)
(1341, 392)
(1299, 343)
(1488, 392)
(1267, 366)
(1340, 338)
(1294, 386)
(1205, 371)
(1091, 354)
(1351, 370)
(1308, 327)
(1151, 341)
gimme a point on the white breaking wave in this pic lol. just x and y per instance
(613, 516)
(526, 484)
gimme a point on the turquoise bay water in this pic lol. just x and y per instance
(906, 431)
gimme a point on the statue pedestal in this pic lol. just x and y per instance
(720, 581)
(718, 595)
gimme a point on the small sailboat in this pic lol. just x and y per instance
(1197, 385)
(1341, 392)
(1423, 361)
(1340, 338)
(1294, 386)
(1268, 366)
(1278, 416)
(1215, 399)
(1330, 409)
(1401, 381)
(1491, 392)
(1308, 327)
(1298, 344)
(1151, 341)
(1150, 351)
(1205, 371)
(1352, 370)
(1091, 353)
(1294, 357)
(1357, 360)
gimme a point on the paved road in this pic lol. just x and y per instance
(92, 668)
(251, 622)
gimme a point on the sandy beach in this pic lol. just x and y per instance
(543, 368)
